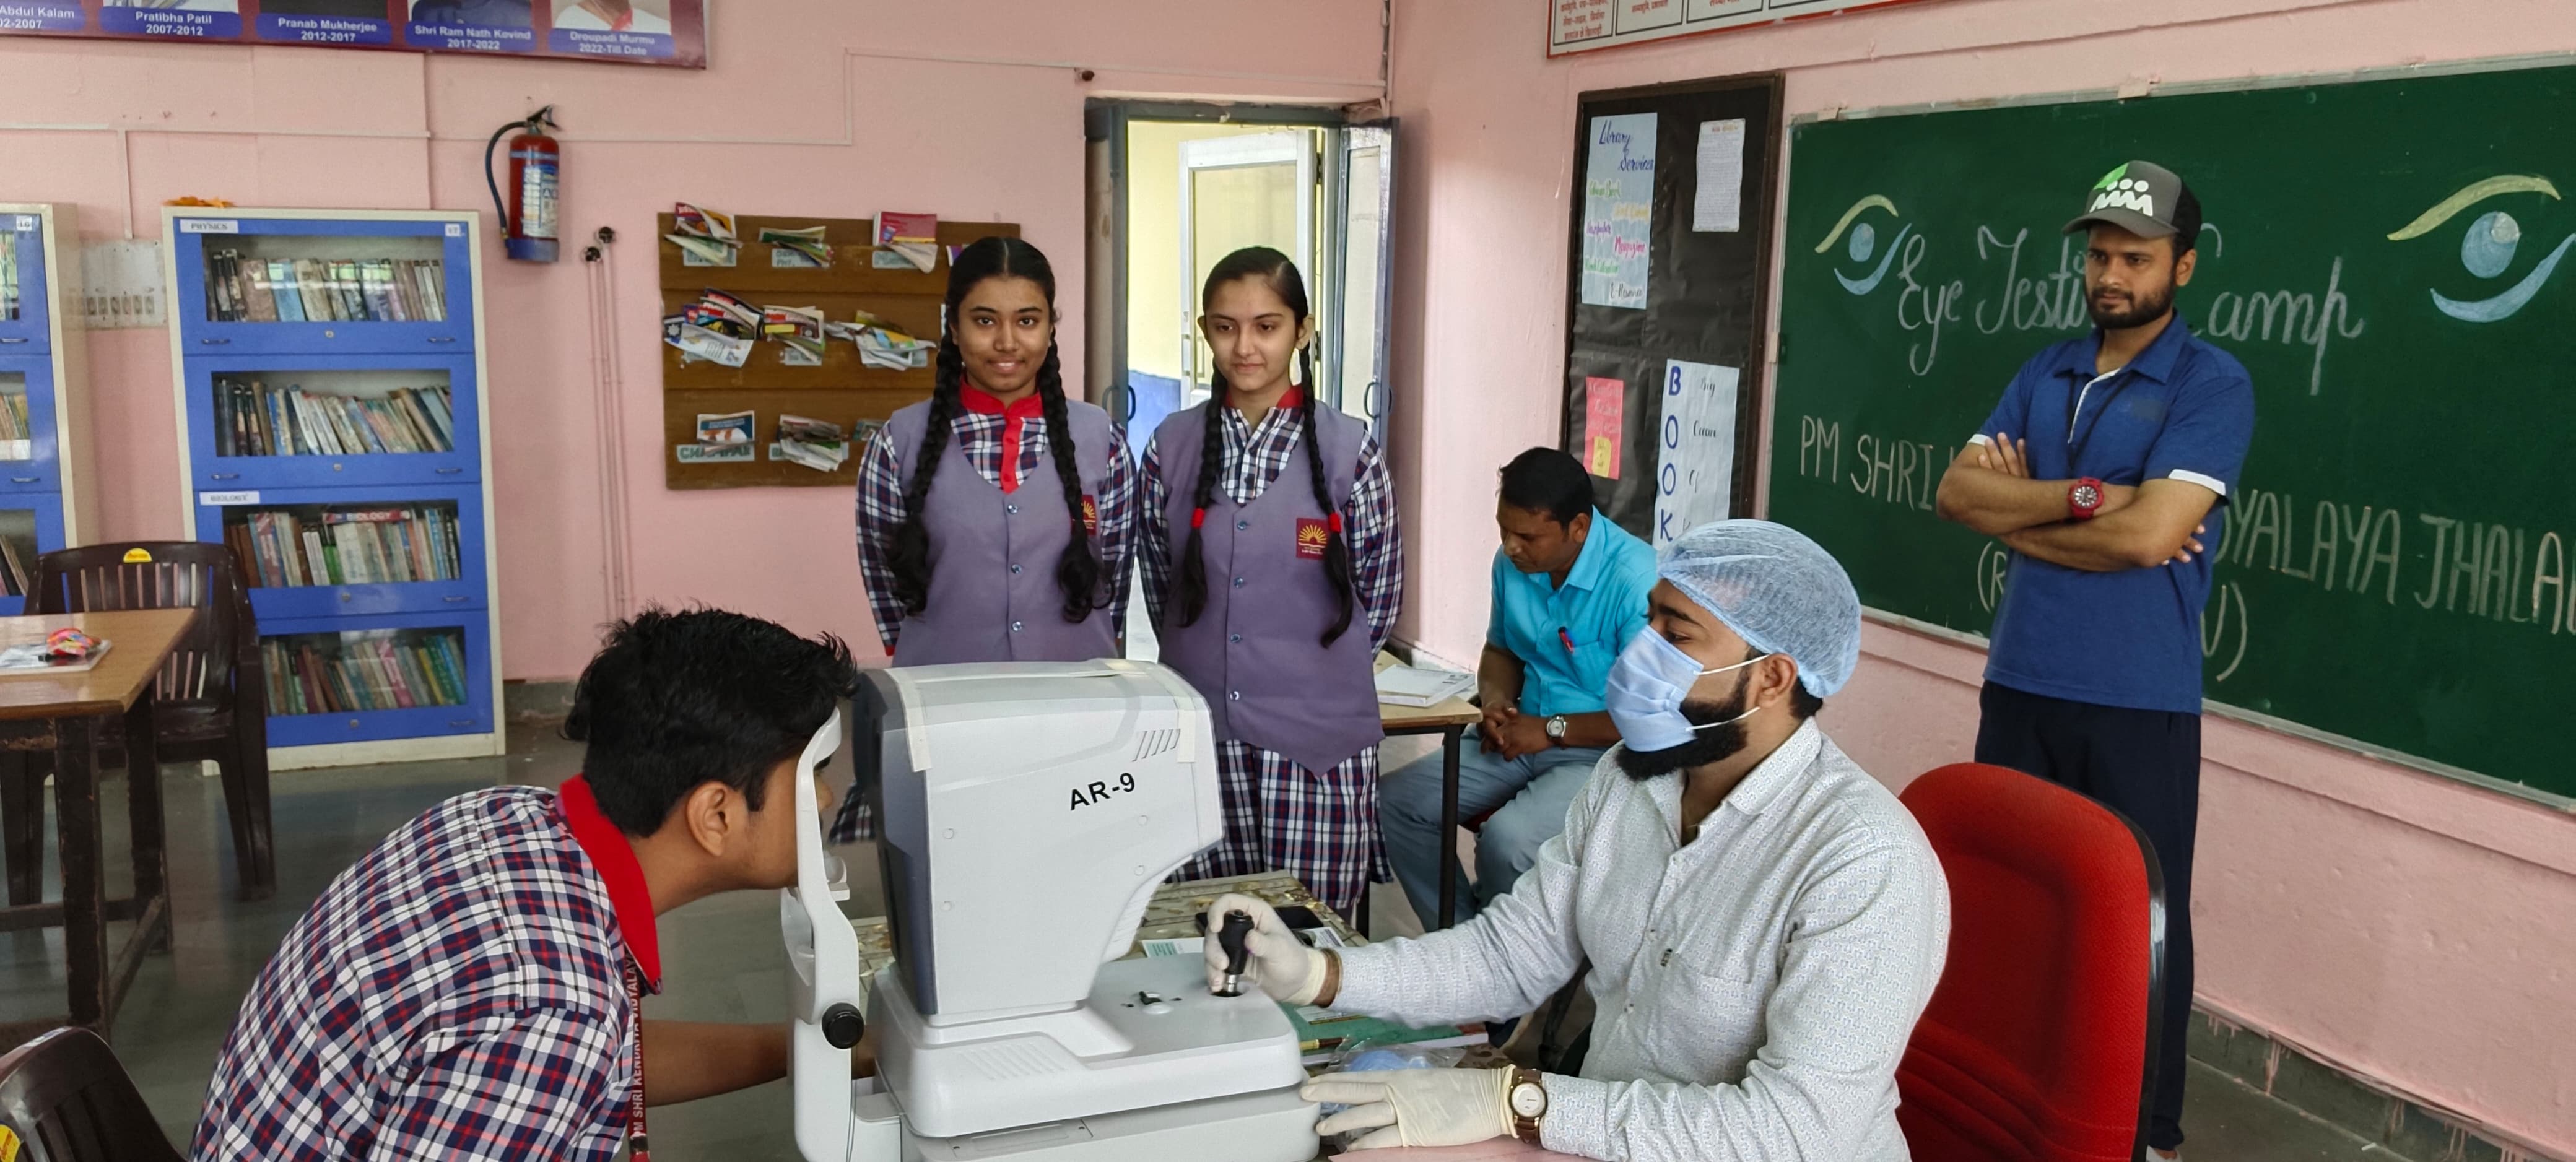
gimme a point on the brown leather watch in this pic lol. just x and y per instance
(1527, 1100)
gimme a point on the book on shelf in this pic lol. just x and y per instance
(17, 429)
(248, 289)
(363, 670)
(282, 288)
(259, 300)
(280, 548)
(254, 419)
(14, 575)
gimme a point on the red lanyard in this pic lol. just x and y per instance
(636, 1143)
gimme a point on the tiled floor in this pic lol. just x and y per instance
(721, 956)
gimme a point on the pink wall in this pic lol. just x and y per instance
(2413, 928)
(2418, 931)
(994, 137)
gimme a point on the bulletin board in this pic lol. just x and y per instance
(840, 391)
(1668, 284)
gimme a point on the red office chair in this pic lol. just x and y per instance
(2037, 1042)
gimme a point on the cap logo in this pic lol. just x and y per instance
(2126, 194)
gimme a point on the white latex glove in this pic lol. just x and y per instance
(1278, 962)
(1416, 1107)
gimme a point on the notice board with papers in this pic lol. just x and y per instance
(840, 389)
(1667, 297)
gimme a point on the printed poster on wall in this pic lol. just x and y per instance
(1618, 210)
(652, 32)
(1585, 25)
(1605, 403)
(1695, 448)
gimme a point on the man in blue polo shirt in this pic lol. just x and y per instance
(2104, 469)
(1569, 591)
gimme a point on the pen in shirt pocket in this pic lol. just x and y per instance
(1567, 638)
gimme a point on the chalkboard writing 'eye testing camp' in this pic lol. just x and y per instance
(2386, 257)
(1666, 297)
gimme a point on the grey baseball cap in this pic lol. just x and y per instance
(2138, 197)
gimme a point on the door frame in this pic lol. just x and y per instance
(1104, 123)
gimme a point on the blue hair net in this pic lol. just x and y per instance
(1779, 591)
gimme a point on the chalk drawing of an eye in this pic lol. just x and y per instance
(2488, 249)
(1864, 241)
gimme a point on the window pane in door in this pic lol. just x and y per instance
(1235, 207)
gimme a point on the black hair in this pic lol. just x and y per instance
(2186, 220)
(1280, 274)
(1077, 570)
(1802, 704)
(1548, 480)
(674, 700)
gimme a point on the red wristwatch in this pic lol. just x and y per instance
(2084, 498)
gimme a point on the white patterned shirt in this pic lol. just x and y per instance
(1755, 988)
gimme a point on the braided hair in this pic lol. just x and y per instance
(1276, 270)
(1077, 570)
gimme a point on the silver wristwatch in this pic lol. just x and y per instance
(1556, 729)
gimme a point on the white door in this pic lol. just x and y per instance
(1254, 190)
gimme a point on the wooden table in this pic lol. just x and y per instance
(1450, 720)
(64, 713)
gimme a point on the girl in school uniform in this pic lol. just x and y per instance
(1273, 571)
(995, 518)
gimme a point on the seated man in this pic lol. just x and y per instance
(472, 988)
(1569, 590)
(1765, 921)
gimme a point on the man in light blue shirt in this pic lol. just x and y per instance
(1569, 591)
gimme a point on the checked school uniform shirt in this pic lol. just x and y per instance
(1002, 444)
(984, 430)
(1322, 828)
(457, 994)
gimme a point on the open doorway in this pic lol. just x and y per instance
(1176, 187)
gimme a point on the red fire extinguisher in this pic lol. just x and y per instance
(536, 175)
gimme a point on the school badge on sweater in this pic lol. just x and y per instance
(1311, 537)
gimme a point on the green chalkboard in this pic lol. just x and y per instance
(2384, 256)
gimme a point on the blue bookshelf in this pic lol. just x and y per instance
(330, 381)
(44, 465)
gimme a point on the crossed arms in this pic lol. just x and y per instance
(1989, 489)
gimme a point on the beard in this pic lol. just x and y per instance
(1710, 744)
(2140, 309)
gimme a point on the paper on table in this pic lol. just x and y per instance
(32, 658)
(1403, 685)
(1718, 207)
(1694, 448)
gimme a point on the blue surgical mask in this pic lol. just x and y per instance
(1646, 688)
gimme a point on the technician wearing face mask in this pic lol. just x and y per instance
(1765, 921)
